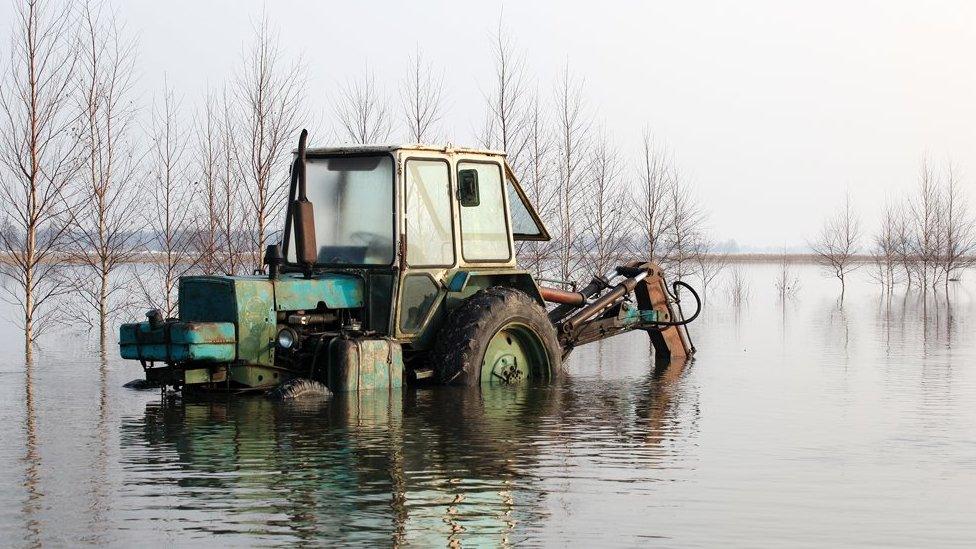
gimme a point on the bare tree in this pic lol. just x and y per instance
(601, 242)
(837, 245)
(649, 202)
(362, 110)
(420, 96)
(170, 214)
(231, 222)
(708, 263)
(572, 128)
(208, 166)
(269, 93)
(886, 255)
(956, 228)
(924, 209)
(105, 217)
(904, 245)
(684, 228)
(787, 283)
(737, 287)
(506, 119)
(537, 181)
(37, 151)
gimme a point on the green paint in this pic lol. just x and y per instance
(336, 291)
(187, 341)
(362, 364)
(513, 355)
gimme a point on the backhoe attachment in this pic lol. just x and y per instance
(634, 297)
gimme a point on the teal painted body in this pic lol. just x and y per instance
(208, 342)
(335, 291)
(247, 302)
(358, 364)
(234, 319)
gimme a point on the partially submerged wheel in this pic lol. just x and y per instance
(499, 336)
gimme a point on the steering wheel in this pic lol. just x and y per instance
(371, 240)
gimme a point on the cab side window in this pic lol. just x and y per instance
(484, 226)
(430, 233)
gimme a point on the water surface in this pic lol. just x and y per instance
(800, 423)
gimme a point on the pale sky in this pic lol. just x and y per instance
(772, 109)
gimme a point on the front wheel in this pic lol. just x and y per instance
(499, 336)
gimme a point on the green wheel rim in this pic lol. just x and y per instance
(514, 354)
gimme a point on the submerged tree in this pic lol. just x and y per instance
(170, 215)
(885, 254)
(538, 183)
(39, 156)
(957, 230)
(105, 218)
(649, 202)
(269, 94)
(572, 131)
(837, 246)
(602, 236)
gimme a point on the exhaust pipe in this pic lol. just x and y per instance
(305, 249)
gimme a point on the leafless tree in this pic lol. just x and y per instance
(572, 131)
(362, 110)
(649, 209)
(837, 245)
(904, 246)
(170, 212)
(787, 283)
(269, 94)
(684, 228)
(885, 255)
(506, 119)
(956, 228)
(538, 183)
(231, 220)
(39, 158)
(422, 100)
(924, 209)
(601, 239)
(737, 287)
(208, 157)
(105, 224)
(708, 263)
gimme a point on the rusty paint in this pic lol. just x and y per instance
(555, 295)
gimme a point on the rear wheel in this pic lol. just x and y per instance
(499, 336)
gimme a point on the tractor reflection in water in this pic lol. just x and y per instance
(378, 465)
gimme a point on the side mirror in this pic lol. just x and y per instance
(468, 193)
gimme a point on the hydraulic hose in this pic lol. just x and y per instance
(687, 320)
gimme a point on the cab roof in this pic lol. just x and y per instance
(373, 148)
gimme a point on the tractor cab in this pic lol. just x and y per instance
(418, 224)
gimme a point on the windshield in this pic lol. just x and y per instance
(353, 201)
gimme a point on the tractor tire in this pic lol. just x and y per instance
(299, 388)
(498, 336)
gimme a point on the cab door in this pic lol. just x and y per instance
(428, 249)
(485, 235)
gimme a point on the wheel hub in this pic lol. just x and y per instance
(506, 369)
(513, 355)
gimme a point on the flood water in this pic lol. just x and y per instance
(799, 424)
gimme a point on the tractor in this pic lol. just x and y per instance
(397, 265)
